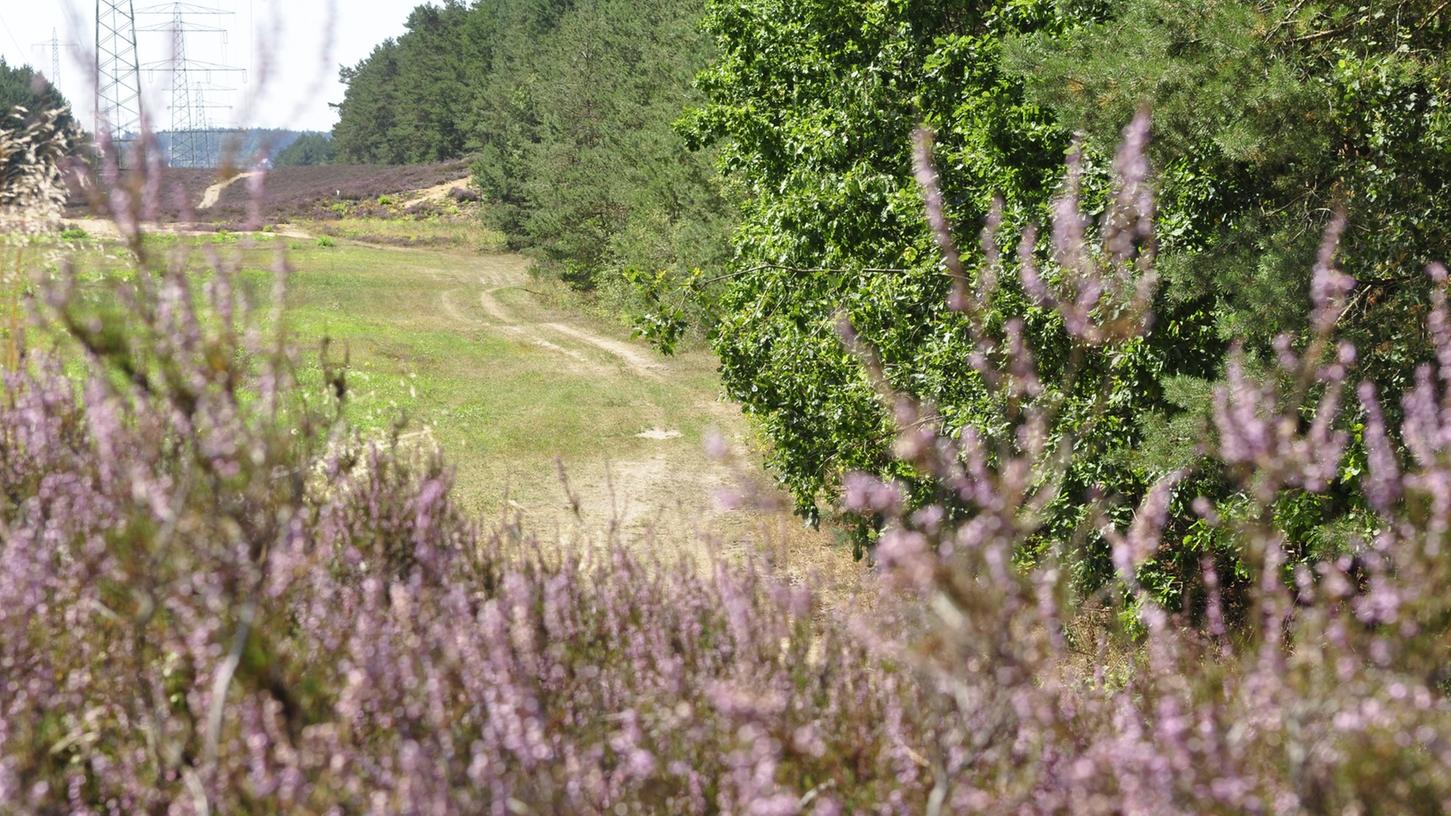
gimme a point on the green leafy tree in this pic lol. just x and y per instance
(813, 105)
(1270, 116)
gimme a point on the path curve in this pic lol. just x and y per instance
(213, 193)
(500, 273)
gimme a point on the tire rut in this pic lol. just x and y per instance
(579, 345)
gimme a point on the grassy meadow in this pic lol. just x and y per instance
(421, 348)
(545, 411)
(542, 410)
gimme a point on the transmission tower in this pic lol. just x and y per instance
(53, 46)
(118, 73)
(193, 142)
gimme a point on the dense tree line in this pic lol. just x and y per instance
(1270, 117)
(307, 150)
(570, 107)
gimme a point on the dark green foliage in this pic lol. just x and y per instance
(612, 197)
(1269, 116)
(310, 149)
(409, 102)
(505, 116)
(570, 109)
(22, 86)
(367, 115)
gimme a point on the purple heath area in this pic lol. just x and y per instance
(215, 597)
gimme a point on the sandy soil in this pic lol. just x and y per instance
(106, 230)
(437, 192)
(213, 194)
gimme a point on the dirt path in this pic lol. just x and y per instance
(503, 273)
(213, 194)
(647, 482)
(104, 229)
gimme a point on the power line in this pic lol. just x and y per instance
(19, 50)
(55, 46)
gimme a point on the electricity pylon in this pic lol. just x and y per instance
(192, 139)
(118, 73)
(54, 45)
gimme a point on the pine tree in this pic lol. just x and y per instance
(21, 86)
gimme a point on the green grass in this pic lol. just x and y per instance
(425, 351)
(501, 407)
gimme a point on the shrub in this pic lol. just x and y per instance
(215, 598)
(465, 195)
(1328, 695)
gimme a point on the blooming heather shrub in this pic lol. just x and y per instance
(1330, 699)
(359, 649)
(214, 598)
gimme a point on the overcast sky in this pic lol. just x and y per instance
(294, 93)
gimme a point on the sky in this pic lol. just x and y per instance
(289, 57)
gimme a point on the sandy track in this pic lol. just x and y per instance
(213, 193)
(103, 229)
(501, 273)
(665, 488)
(647, 480)
(449, 303)
(640, 363)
